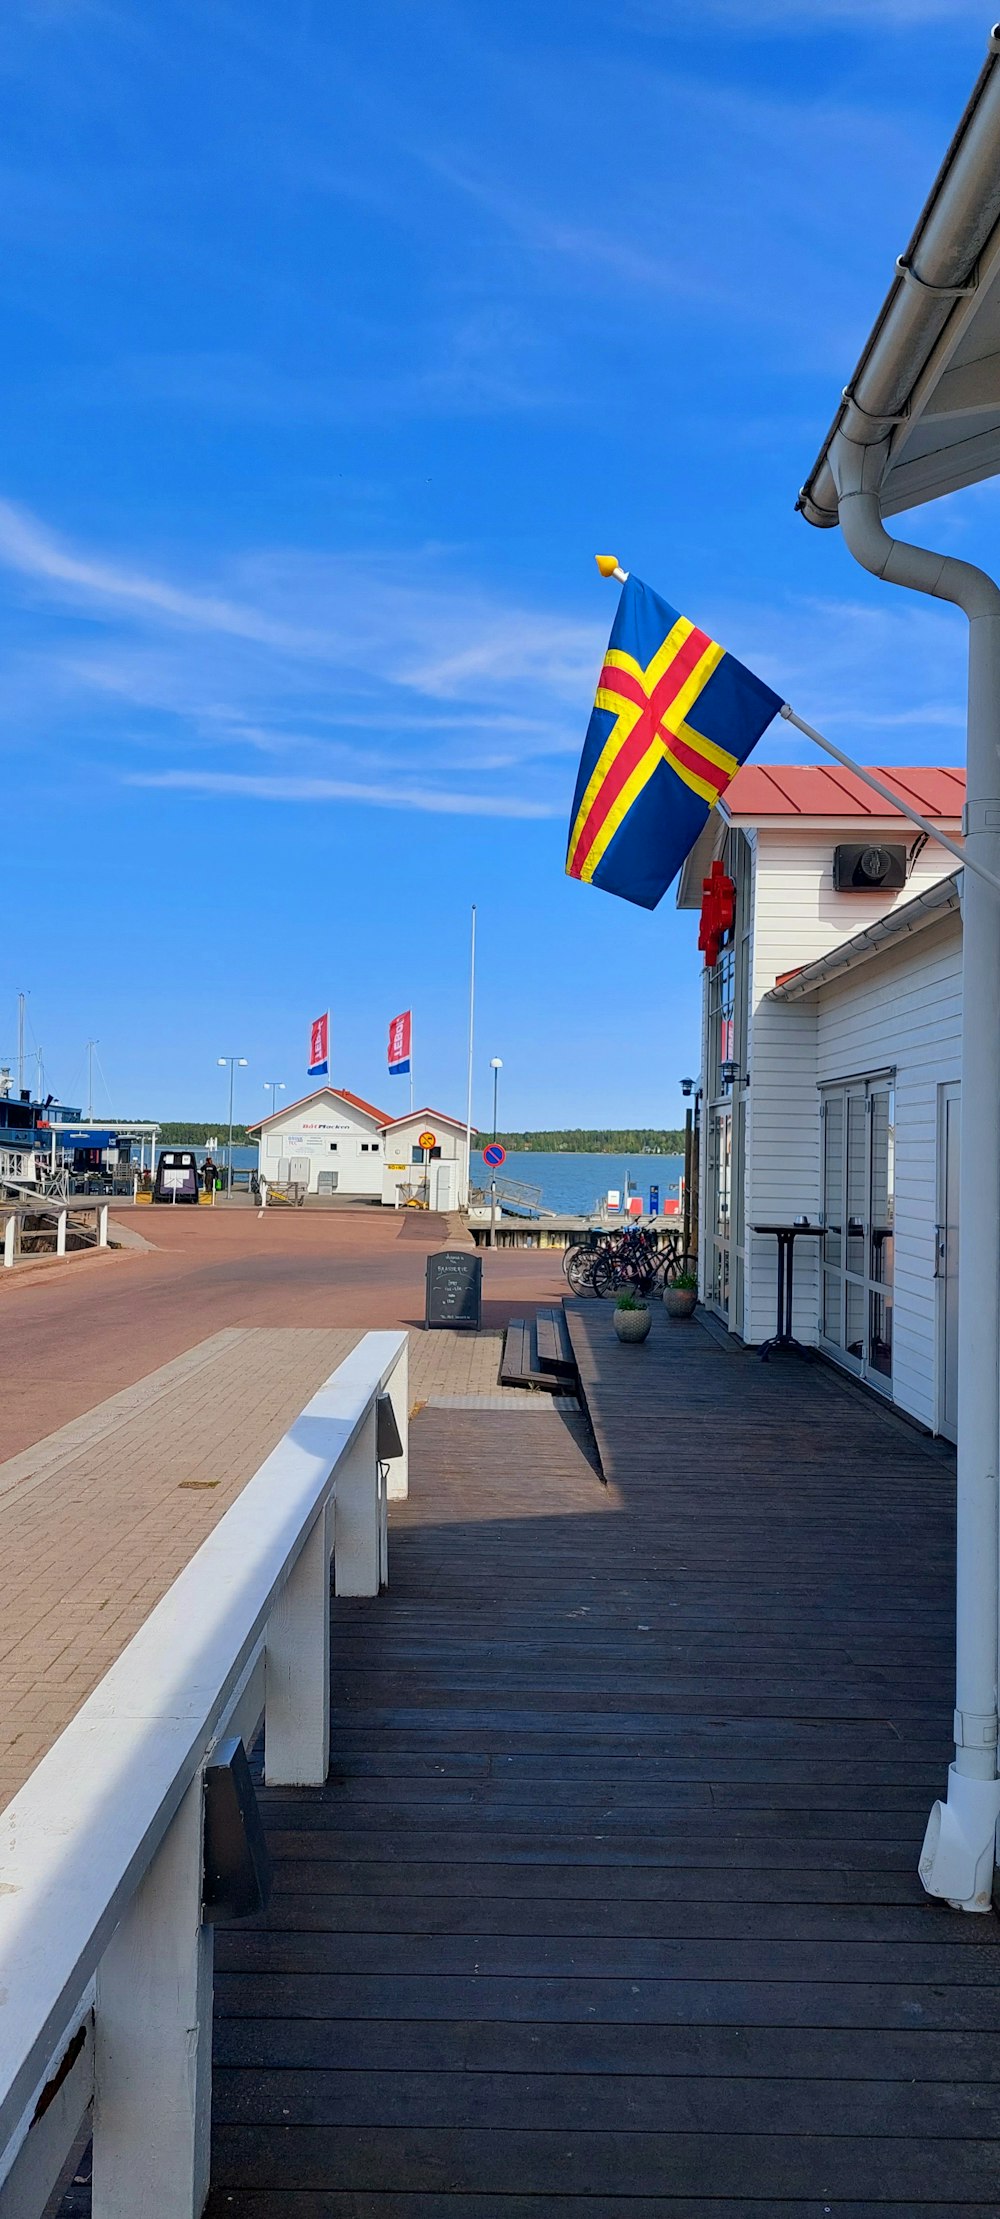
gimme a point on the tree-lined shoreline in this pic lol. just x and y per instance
(639, 1140)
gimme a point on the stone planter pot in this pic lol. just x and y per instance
(679, 1302)
(632, 1325)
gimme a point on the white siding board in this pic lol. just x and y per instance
(899, 1010)
(903, 1010)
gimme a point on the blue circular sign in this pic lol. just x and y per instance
(494, 1155)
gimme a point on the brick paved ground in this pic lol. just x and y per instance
(170, 1376)
(95, 1526)
(79, 1333)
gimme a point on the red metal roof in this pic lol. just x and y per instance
(825, 790)
(441, 1115)
(342, 1095)
(359, 1103)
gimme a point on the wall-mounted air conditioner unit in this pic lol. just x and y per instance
(869, 868)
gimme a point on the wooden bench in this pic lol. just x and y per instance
(537, 1353)
(555, 1352)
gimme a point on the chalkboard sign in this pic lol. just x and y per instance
(455, 1289)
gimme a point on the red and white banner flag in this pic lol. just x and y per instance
(399, 1044)
(319, 1046)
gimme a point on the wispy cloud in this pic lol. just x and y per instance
(427, 798)
(294, 676)
(593, 247)
(368, 679)
(27, 547)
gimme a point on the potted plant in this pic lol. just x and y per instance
(680, 1295)
(632, 1317)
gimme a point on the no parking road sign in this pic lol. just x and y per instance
(494, 1155)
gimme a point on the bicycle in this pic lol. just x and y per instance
(629, 1262)
(578, 1265)
(579, 1262)
(636, 1261)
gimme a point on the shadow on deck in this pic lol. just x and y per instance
(610, 1901)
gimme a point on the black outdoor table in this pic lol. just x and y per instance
(786, 1236)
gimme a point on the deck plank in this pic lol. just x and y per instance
(610, 1902)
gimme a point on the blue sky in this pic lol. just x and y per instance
(334, 343)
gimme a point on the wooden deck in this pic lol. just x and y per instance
(610, 1903)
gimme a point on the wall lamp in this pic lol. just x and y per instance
(730, 1073)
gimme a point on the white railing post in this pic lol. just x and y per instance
(153, 2038)
(101, 1851)
(398, 1391)
(61, 1232)
(102, 1226)
(357, 1551)
(10, 1240)
(297, 1668)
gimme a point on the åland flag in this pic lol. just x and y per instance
(319, 1046)
(673, 718)
(399, 1045)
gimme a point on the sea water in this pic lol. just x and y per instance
(572, 1184)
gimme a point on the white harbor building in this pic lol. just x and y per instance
(830, 1073)
(335, 1143)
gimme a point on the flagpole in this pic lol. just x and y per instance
(472, 1014)
(411, 1062)
(905, 808)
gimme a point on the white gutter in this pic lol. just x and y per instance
(937, 270)
(912, 916)
(848, 485)
(959, 1852)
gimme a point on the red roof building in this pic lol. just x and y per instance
(341, 1094)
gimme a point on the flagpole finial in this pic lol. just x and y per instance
(610, 567)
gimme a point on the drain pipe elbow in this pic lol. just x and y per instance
(858, 473)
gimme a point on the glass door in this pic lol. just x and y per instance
(721, 1206)
(858, 1220)
(881, 1230)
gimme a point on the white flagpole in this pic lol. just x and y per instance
(905, 808)
(472, 1015)
(411, 1060)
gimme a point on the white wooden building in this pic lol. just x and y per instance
(831, 1055)
(446, 1161)
(336, 1143)
(330, 1140)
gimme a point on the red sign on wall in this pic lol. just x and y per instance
(718, 913)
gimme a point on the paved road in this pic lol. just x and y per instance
(72, 1337)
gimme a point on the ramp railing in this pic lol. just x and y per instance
(41, 1228)
(105, 1952)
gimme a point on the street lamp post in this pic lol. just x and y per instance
(232, 1062)
(276, 1086)
(687, 1089)
(496, 1066)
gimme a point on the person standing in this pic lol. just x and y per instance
(209, 1174)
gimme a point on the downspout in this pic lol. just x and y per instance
(957, 1860)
